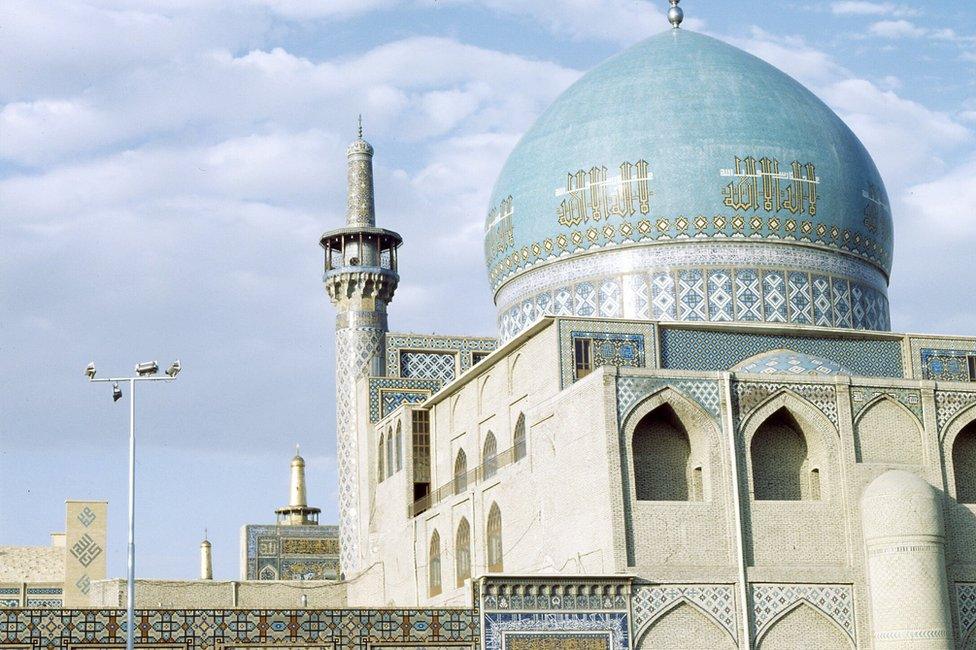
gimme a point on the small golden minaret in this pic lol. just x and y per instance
(297, 512)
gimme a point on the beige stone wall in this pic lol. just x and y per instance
(210, 594)
(86, 549)
(31, 564)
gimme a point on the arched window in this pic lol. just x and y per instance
(460, 472)
(964, 464)
(662, 455)
(519, 437)
(462, 552)
(490, 455)
(381, 460)
(434, 565)
(779, 461)
(389, 452)
(494, 539)
(398, 443)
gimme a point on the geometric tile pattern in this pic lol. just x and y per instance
(627, 343)
(556, 630)
(749, 395)
(398, 344)
(631, 390)
(538, 595)
(292, 552)
(208, 629)
(793, 363)
(950, 402)
(650, 601)
(386, 393)
(861, 396)
(719, 350)
(431, 365)
(704, 294)
(946, 365)
(834, 601)
(966, 606)
(934, 345)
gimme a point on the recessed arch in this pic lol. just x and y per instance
(683, 620)
(460, 472)
(389, 453)
(519, 442)
(434, 565)
(886, 431)
(805, 620)
(794, 436)
(702, 435)
(493, 540)
(790, 362)
(398, 443)
(661, 457)
(489, 456)
(381, 459)
(960, 475)
(462, 552)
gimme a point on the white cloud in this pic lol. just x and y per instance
(947, 205)
(896, 29)
(864, 8)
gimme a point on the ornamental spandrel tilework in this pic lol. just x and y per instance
(966, 609)
(387, 393)
(863, 396)
(834, 601)
(650, 602)
(632, 390)
(949, 403)
(749, 395)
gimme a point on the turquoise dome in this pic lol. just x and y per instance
(686, 139)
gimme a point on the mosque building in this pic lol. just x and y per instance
(694, 429)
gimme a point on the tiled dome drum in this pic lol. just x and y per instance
(685, 179)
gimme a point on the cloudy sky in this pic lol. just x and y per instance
(166, 168)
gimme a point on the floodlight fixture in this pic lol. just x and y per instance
(147, 368)
(116, 392)
(174, 369)
(90, 371)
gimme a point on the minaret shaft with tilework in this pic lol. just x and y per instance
(360, 278)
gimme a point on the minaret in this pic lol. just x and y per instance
(206, 559)
(360, 277)
(297, 512)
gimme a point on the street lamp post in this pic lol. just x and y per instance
(144, 372)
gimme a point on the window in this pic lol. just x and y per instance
(462, 552)
(815, 484)
(494, 539)
(389, 452)
(519, 437)
(460, 472)
(662, 453)
(434, 565)
(697, 488)
(490, 456)
(779, 457)
(380, 461)
(583, 356)
(421, 454)
(478, 357)
(964, 464)
(398, 445)
(972, 367)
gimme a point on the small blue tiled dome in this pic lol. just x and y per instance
(684, 139)
(788, 362)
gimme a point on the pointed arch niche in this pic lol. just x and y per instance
(885, 431)
(803, 622)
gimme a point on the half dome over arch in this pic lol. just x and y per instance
(685, 179)
(788, 362)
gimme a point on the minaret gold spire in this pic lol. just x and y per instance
(297, 512)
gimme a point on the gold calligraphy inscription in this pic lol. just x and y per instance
(499, 234)
(593, 196)
(556, 642)
(298, 546)
(760, 185)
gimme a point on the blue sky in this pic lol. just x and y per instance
(166, 168)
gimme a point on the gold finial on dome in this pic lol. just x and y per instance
(675, 14)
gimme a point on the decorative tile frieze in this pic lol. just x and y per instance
(705, 350)
(950, 402)
(616, 343)
(966, 608)
(834, 601)
(749, 395)
(463, 346)
(945, 364)
(219, 629)
(652, 601)
(532, 595)
(541, 630)
(861, 396)
(389, 392)
(631, 390)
